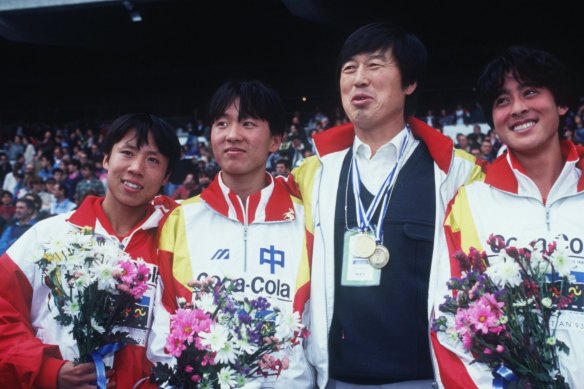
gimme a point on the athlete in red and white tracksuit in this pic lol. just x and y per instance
(33, 346)
(508, 203)
(261, 244)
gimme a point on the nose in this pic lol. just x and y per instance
(137, 165)
(518, 107)
(361, 76)
(233, 133)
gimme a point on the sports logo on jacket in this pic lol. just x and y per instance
(221, 254)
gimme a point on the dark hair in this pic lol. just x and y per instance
(256, 100)
(144, 124)
(29, 203)
(528, 66)
(35, 199)
(284, 161)
(88, 165)
(409, 53)
(6, 192)
(63, 187)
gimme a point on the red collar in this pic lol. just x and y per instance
(271, 204)
(342, 137)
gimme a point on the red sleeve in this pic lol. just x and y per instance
(451, 369)
(25, 362)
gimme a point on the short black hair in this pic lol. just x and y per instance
(409, 53)
(527, 65)
(63, 187)
(89, 166)
(162, 132)
(257, 100)
(29, 203)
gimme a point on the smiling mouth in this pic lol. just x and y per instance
(523, 126)
(132, 185)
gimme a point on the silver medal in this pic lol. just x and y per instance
(380, 257)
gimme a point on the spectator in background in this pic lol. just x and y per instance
(185, 190)
(24, 218)
(462, 142)
(46, 167)
(73, 176)
(61, 204)
(29, 150)
(486, 151)
(88, 183)
(476, 137)
(282, 167)
(7, 206)
(15, 148)
(5, 167)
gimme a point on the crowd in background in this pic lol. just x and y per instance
(50, 171)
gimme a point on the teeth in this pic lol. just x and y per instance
(523, 126)
(132, 185)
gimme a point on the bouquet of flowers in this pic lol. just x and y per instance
(94, 284)
(220, 341)
(505, 309)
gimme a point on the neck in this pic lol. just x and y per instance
(378, 136)
(543, 168)
(243, 187)
(121, 217)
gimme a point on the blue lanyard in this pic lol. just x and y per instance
(382, 197)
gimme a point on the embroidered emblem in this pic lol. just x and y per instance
(289, 215)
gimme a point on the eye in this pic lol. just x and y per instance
(220, 124)
(127, 153)
(501, 101)
(248, 124)
(154, 160)
(531, 92)
(349, 68)
(374, 65)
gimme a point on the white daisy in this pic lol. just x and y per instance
(206, 303)
(215, 339)
(56, 246)
(103, 271)
(505, 272)
(562, 263)
(227, 354)
(226, 378)
(287, 324)
(72, 308)
(95, 325)
(244, 345)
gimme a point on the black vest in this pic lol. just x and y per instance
(379, 334)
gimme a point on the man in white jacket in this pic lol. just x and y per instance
(375, 194)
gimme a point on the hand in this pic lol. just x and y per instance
(81, 376)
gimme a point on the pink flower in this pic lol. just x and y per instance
(500, 348)
(138, 291)
(175, 344)
(487, 351)
(481, 315)
(189, 369)
(129, 272)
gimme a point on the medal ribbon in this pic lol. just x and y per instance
(97, 357)
(382, 196)
(501, 376)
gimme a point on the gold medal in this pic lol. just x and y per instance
(380, 257)
(363, 245)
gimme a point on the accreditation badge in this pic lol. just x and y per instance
(356, 270)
